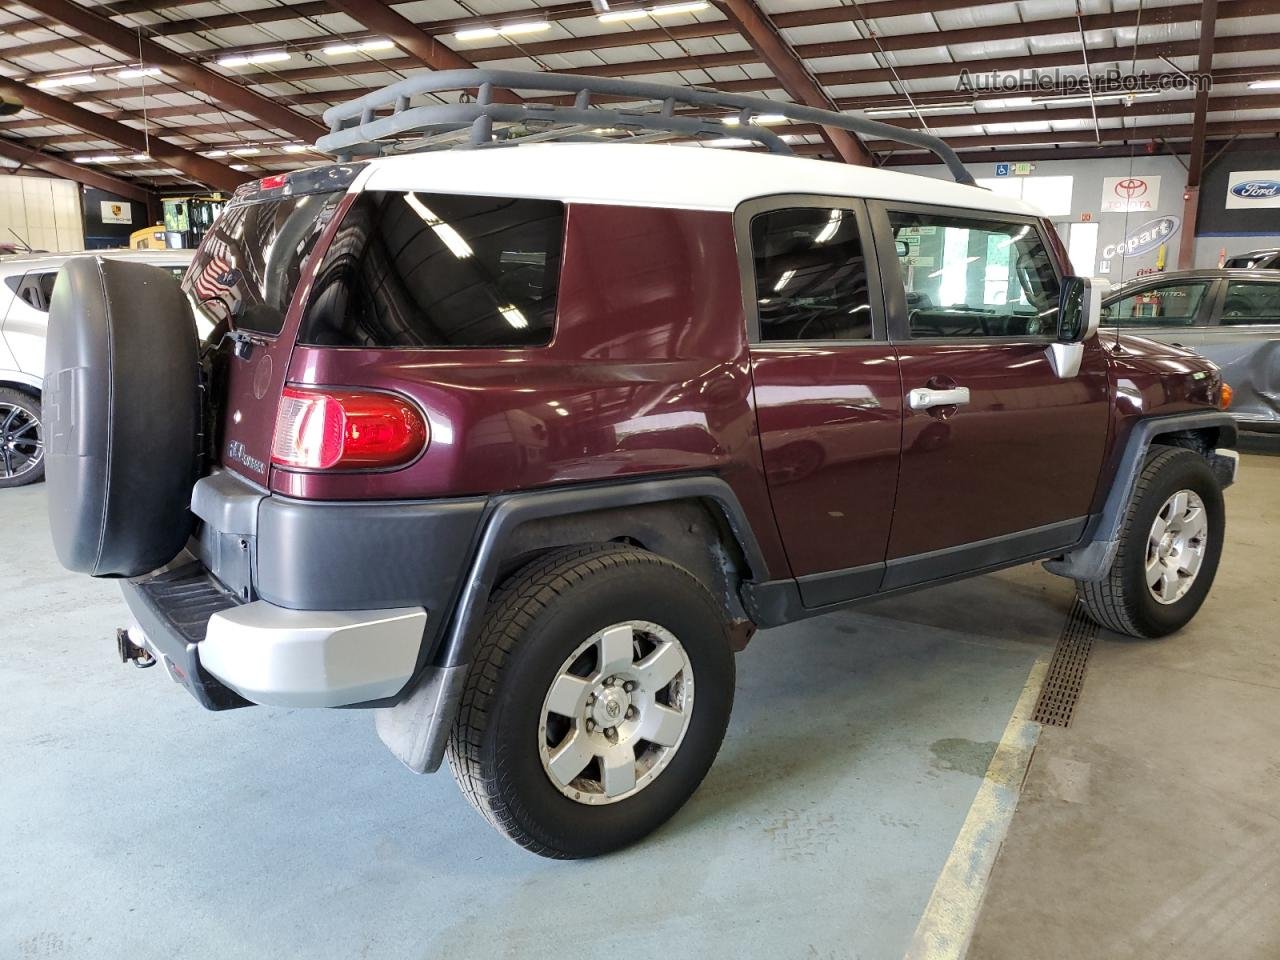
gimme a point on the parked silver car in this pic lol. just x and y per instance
(1256, 260)
(26, 285)
(1232, 317)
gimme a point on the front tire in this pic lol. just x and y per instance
(1169, 549)
(21, 439)
(579, 731)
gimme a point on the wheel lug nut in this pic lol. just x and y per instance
(631, 713)
(628, 686)
(591, 725)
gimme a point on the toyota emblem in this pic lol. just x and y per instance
(1130, 188)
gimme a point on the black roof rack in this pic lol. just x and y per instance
(363, 126)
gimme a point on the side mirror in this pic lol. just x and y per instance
(1079, 313)
(1080, 308)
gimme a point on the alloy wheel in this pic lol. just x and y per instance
(21, 441)
(1176, 546)
(616, 713)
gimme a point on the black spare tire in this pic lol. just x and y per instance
(122, 412)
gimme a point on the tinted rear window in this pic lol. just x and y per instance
(435, 270)
(250, 261)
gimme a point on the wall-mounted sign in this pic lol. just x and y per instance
(1126, 194)
(1086, 217)
(115, 211)
(1253, 189)
(1144, 238)
(1004, 169)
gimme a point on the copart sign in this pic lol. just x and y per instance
(1144, 238)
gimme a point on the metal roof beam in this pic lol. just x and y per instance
(73, 171)
(132, 45)
(200, 168)
(1199, 121)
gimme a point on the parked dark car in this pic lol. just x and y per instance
(1232, 317)
(516, 446)
(1256, 260)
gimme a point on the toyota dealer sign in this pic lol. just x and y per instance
(1125, 194)
(1253, 189)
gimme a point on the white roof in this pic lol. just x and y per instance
(660, 175)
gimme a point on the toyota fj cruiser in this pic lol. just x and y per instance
(515, 447)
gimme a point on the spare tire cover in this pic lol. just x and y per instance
(122, 410)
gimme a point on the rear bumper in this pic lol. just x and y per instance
(230, 653)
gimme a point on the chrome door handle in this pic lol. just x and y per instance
(922, 398)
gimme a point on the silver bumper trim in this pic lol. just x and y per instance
(313, 658)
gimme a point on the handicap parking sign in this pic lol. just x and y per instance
(1004, 169)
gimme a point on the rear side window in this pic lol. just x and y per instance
(1170, 305)
(966, 277)
(811, 275)
(251, 260)
(1248, 303)
(436, 270)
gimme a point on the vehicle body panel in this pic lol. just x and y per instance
(1247, 354)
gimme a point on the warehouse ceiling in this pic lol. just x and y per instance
(176, 93)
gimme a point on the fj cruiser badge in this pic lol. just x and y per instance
(237, 452)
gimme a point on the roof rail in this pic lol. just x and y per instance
(363, 126)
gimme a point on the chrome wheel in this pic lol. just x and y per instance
(616, 712)
(21, 441)
(1176, 546)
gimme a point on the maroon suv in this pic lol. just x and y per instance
(516, 447)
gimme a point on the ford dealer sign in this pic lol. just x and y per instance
(1253, 189)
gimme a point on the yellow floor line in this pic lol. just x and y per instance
(949, 919)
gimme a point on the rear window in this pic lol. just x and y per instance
(437, 270)
(250, 261)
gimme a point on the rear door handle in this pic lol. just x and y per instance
(923, 398)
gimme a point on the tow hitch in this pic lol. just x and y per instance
(131, 652)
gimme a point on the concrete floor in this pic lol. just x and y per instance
(138, 825)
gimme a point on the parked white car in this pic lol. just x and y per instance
(26, 285)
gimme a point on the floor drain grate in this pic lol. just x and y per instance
(1062, 683)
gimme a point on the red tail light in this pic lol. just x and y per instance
(346, 430)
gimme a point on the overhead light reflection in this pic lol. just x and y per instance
(448, 236)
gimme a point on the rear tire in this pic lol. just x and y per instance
(599, 628)
(1169, 549)
(21, 439)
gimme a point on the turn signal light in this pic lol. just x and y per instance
(346, 430)
(1224, 395)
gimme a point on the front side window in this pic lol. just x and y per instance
(437, 270)
(966, 277)
(1249, 303)
(251, 260)
(811, 275)
(1169, 305)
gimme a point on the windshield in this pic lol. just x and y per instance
(251, 260)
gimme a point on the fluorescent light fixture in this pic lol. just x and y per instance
(660, 10)
(508, 30)
(75, 80)
(364, 46)
(244, 59)
(297, 148)
(448, 236)
(1097, 97)
(102, 158)
(140, 157)
(518, 320)
(665, 9)
(759, 120)
(1264, 84)
(912, 111)
(732, 142)
(243, 151)
(240, 166)
(621, 16)
(133, 73)
(214, 154)
(1005, 104)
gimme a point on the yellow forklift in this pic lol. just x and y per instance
(186, 219)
